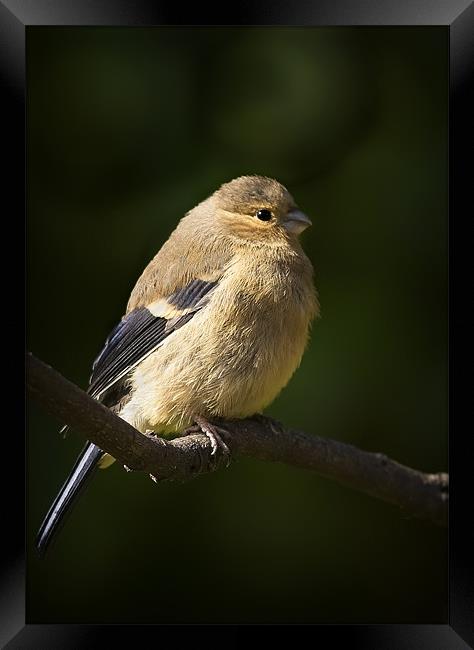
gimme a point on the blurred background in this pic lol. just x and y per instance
(127, 130)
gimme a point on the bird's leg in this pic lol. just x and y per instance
(194, 428)
(212, 431)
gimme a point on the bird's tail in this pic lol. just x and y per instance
(81, 472)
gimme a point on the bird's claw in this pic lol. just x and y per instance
(194, 428)
(213, 432)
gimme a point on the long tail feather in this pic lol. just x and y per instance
(81, 472)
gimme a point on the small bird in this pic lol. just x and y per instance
(214, 328)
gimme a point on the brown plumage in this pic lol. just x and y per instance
(215, 326)
(237, 353)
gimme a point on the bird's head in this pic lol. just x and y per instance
(258, 209)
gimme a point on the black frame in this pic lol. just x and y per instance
(458, 17)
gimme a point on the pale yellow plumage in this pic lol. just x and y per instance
(240, 350)
(215, 326)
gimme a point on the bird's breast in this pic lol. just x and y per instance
(236, 354)
(257, 328)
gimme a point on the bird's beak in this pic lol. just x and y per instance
(296, 221)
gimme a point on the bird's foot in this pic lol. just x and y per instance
(214, 433)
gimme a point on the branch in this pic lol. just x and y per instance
(420, 495)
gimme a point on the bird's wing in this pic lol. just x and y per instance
(142, 331)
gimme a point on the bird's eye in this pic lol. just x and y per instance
(263, 215)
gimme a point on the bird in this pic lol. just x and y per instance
(214, 328)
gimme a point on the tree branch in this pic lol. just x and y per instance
(418, 494)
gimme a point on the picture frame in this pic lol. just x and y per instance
(458, 18)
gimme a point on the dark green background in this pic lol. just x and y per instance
(128, 129)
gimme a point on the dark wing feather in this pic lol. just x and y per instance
(191, 294)
(140, 332)
(129, 327)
